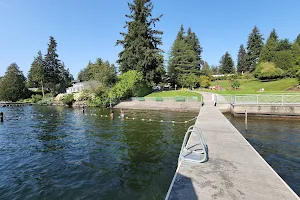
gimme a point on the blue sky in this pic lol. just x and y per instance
(86, 30)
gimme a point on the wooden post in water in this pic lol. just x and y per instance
(1, 117)
(246, 119)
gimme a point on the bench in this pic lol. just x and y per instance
(182, 99)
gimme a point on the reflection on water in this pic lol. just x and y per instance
(61, 153)
(278, 141)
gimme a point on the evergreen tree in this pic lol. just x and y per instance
(56, 76)
(100, 71)
(215, 70)
(274, 35)
(36, 72)
(254, 47)
(284, 60)
(140, 43)
(52, 66)
(268, 51)
(298, 40)
(226, 64)
(193, 42)
(65, 78)
(284, 45)
(176, 55)
(241, 61)
(185, 56)
(206, 70)
(12, 85)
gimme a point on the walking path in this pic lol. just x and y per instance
(234, 169)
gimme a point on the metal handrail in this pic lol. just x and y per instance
(201, 155)
(259, 99)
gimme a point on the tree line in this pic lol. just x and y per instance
(142, 59)
(46, 72)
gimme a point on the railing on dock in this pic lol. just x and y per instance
(264, 99)
(196, 151)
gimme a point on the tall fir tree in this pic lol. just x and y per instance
(100, 71)
(227, 64)
(12, 85)
(284, 45)
(56, 76)
(52, 66)
(298, 40)
(274, 35)
(36, 74)
(185, 56)
(241, 61)
(254, 47)
(268, 51)
(176, 56)
(206, 70)
(193, 42)
(141, 50)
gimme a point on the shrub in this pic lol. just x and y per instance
(127, 83)
(85, 95)
(60, 97)
(247, 75)
(68, 99)
(36, 98)
(268, 70)
(235, 84)
(204, 81)
(142, 90)
(298, 76)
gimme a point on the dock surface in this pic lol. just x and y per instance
(234, 170)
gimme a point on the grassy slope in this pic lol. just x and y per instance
(252, 86)
(175, 93)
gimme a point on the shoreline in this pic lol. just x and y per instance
(152, 105)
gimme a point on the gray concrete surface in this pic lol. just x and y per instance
(284, 110)
(234, 169)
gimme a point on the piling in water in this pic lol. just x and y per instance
(1, 117)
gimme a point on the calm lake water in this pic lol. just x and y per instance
(60, 153)
(278, 142)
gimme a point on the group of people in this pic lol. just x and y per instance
(122, 114)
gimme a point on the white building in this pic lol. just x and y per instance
(79, 86)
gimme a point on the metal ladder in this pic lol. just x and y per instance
(198, 150)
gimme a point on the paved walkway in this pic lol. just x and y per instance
(234, 169)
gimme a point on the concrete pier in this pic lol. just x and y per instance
(234, 169)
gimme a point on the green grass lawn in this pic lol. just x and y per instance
(175, 93)
(252, 86)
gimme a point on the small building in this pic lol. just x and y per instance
(79, 86)
(33, 89)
